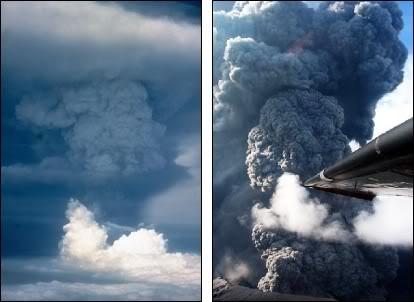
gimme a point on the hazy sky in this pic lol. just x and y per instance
(100, 103)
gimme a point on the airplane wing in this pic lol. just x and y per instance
(384, 166)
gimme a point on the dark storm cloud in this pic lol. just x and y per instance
(180, 11)
(161, 54)
(148, 64)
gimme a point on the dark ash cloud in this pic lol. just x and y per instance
(292, 86)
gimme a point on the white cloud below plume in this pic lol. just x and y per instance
(139, 256)
(135, 266)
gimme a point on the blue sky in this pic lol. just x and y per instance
(406, 34)
(106, 113)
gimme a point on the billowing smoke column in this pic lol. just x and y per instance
(298, 84)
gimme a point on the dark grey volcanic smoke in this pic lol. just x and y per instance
(293, 86)
(349, 50)
(298, 131)
(303, 266)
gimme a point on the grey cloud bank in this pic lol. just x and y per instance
(77, 291)
(74, 44)
(172, 205)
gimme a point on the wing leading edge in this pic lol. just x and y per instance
(384, 166)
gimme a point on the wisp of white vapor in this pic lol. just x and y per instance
(232, 268)
(391, 223)
(292, 209)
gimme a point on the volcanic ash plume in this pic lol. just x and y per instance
(109, 113)
(299, 131)
(298, 84)
(349, 50)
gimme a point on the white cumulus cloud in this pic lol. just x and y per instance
(141, 255)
